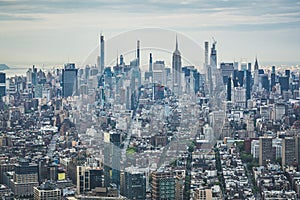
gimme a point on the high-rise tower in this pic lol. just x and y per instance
(69, 78)
(229, 89)
(138, 53)
(213, 56)
(256, 64)
(176, 69)
(2, 85)
(206, 53)
(101, 53)
(150, 63)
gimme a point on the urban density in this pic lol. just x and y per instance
(169, 132)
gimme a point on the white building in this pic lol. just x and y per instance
(255, 148)
(239, 97)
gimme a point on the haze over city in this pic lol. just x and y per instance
(53, 32)
(149, 100)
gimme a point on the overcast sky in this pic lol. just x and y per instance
(53, 32)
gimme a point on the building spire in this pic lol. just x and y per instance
(176, 43)
(256, 64)
(176, 47)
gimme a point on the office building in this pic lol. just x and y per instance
(239, 97)
(203, 194)
(69, 80)
(47, 191)
(133, 184)
(24, 178)
(159, 73)
(229, 89)
(248, 83)
(265, 150)
(88, 178)
(112, 157)
(226, 71)
(2, 85)
(264, 81)
(297, 151)
(288, 151)
(163, 185)
(284, 83)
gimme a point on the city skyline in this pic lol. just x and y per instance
(35, 32)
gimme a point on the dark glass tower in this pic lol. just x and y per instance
(101, 53)
(229, 89)
(69, 80)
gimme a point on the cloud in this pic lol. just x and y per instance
(10, 17)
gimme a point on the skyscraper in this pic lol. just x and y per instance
(256, 64)
(138, 53)
(213, 68)
(229, 89)
(112, 157)
(69, 80)
(176, 67)
(248, 84)
(265, 150)
(213, 56)
(150, 63)
(88, 178)
(288, 151)
(208, 70)
(133, 184)
(163, 185)
(206, 53)
(2, 85)
(101, 53)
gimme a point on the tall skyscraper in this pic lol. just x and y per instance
(101, 53)
(69, 80)
(256, 64)
(176, 67)
(229, 89)
(138, 53)
(248, 84)
(206, 53)
(112, 157)
(208, 70)
(150, 63)
(213, 68)
(116, 140)
(213, 56)
(2, 85)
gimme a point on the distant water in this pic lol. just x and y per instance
(21, 71)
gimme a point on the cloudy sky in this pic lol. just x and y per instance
(51, 32)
